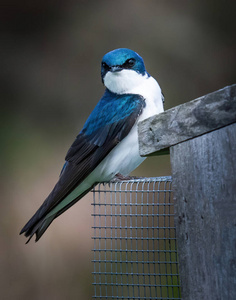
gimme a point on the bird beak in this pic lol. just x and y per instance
(115, 69)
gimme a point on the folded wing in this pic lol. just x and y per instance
(109, 123)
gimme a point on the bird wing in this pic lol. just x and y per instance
(109, 123)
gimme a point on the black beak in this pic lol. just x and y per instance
(115, 69)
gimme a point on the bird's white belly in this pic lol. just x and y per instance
(124, 158)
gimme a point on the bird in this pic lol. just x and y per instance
(107, 146)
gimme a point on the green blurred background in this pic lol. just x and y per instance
(50, 81)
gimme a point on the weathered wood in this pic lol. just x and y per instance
(187, 121)
(201, 136)
(204, 183)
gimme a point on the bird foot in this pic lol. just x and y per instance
(119, 176)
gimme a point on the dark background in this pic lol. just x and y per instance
(50, 81)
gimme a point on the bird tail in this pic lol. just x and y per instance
(38, 228)
(38, 225)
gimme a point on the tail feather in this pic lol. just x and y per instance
(38, 229)
(43, 227)
(38, 225)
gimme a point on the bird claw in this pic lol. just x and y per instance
(119, 177)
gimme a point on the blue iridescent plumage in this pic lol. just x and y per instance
(111, 108)
(107, 120)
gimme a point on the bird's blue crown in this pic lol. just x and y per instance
(120, 59)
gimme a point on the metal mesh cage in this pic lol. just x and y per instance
(135, 250)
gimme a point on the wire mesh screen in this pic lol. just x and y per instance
(135, 250)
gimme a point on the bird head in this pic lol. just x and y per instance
(121, 70)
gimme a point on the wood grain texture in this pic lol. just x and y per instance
(204, 184)
(187, 121)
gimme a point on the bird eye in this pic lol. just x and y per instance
(105, 66)
(129, 63)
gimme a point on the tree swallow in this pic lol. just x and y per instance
(107, 145)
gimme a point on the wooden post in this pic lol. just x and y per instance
(201, 138)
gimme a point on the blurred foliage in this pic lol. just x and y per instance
(50, 82)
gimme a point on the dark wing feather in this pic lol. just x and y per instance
(87, 151)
